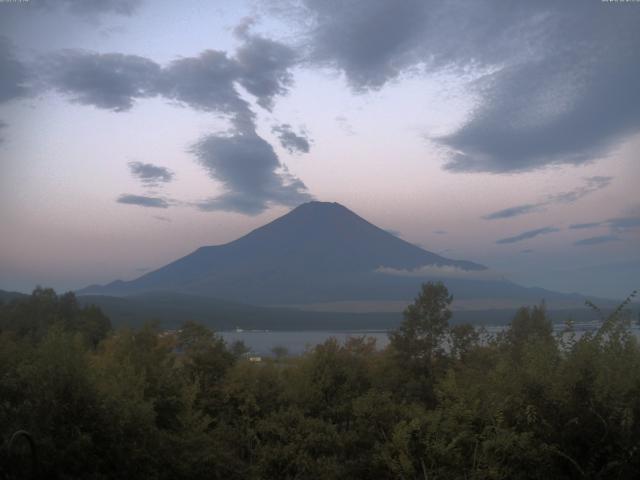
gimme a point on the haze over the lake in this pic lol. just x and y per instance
(503, 133)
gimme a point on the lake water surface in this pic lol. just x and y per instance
(263, 342)
(297, 342)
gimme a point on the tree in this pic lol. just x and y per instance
(419, 338)
(31, 317)
(463, 338)
(529, 325)
(206, 359)
(418, 342)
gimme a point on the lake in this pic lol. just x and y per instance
(296, 342)
(262, 342)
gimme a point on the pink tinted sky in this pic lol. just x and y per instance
(373, 145)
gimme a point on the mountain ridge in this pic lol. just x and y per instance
(323, 238)
(318, 252)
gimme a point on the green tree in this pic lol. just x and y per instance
(419, 337)
(417, 345)
(33, 316)
(530, 325)
(463, 339)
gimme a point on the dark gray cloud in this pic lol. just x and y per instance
(240, 159)
(14, 75)
(149, 174)
(249, 169)
(3, 125)
(206, 83)
(515, 211)
(264, 67)
(582, 226)
(597, 240)
(526, 251)
(245, 163)
(371, 41)
(557, 107)
(618, 225)
(375, 41)
(527, 235)
(622, 224)
(440, 232)
(143, 201)
(112, 81)
(555, 82)
(592, 184)
(293, 142)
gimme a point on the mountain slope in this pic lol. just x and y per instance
(314, 246)
(6, 296)
(320, 252)
(172, 309)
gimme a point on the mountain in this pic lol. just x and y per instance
(172, 309)
(320, 252)
(6, 296)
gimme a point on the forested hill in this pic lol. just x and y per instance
(6, 296)
(171, 309)
(144, 403)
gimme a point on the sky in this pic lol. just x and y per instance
(504, 133)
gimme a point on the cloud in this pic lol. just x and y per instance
(162, 219)
(3, 125)
(245, 163)
(527, 235)
(370, 41)
(592, 184)
(264, 67)
(250, 171)
(619, 225)
(205, 82)
(149, 174)
(515, 211)
(111, 81)
(13, 73)
(528, 250)
(440, 232)
(554, 82)
(345, 125)
(92, 8)
(557, 107)
(208, 82)
(441, 271)
(143, 201)
(582, 226)
(293, 142)
(239, 158)
(597, 240)
(376, 41)
(622, 224)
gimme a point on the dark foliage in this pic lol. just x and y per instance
(440, 402)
